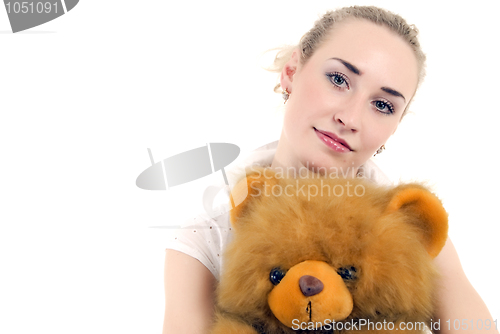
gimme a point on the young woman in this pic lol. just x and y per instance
(346, 86)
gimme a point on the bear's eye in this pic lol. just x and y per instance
(276, 275)
(347, 273)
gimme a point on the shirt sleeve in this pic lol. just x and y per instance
(203, 238)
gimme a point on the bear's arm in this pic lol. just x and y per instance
(457, 298)
(189, 295)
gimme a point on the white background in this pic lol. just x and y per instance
(84, 96)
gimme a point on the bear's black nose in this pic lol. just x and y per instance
(310, 285)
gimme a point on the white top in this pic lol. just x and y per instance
(204, 237)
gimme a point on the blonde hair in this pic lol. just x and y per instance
(314, 37)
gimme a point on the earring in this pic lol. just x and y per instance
(380, 150)
(285, 94)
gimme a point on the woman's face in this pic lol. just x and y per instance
(347, 99)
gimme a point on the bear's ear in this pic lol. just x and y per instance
(425, 211)
(249, 187)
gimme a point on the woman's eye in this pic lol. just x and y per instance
(338, 79)
(384, 107)
(276, 275)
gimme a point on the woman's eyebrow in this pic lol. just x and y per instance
(350, 66)
(393, 92)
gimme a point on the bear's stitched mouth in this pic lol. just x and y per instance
(309, 310)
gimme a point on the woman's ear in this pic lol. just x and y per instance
(289, 71)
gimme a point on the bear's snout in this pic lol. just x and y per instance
(310, 285)
(310, 291)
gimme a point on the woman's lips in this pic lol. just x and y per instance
(332, 141)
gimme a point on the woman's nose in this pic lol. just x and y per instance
(349, 115)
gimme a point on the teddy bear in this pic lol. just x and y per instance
(329, 255)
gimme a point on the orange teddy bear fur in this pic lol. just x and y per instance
(303, 261)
